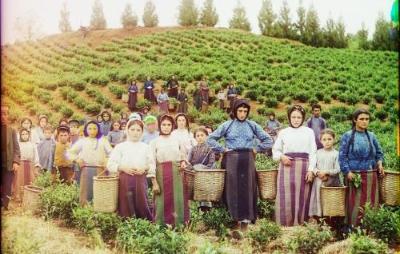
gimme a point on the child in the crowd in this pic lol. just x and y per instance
(182, 132)
(116, 135)
(91, 153)
(123, 128)
(61, 163)
(29, 167)
(105, 124)
(327, 171)
(46, 149)
(39, 130)
(221, 98)
(272, 126)
(26, 123)
(74, 130)
(124, 117)
(151, 129)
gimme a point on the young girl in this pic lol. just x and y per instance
(116, 135)
(46, 149)
(171, 199)
(26, 123)
(90, 153)
(39, 130)
(132, 160)
(182, 132)
(326, 171)
(29, 167)
(105, 124)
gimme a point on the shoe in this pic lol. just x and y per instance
(244, 226)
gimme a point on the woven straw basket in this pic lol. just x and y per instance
(267, 183)
(105, 193)
(390, 188)
(31, 199)
(333, 201)
(188, 178)
(209, 184)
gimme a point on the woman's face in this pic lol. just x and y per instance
(296, 119)
(166, 127)
(116, 126)
(43, 122)
(181, 122)
(26, 124)
(106, 117)
(242, 113)
(92, 130)
(24, 136)
(135, 132)
(362, 121)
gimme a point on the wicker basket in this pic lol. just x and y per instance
(209, 184)
(105, 193)
(188, 178)
(267, 183)
(390, 188)
(333, 201)
(31, 198)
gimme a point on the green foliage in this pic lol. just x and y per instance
(208, 16)
(188, 13)
(309, 239)
(271, 102)
(266, 232)
(43, 180)
(266, 18)
(265, 209)
(150, 18)
(128, 18)
(117, 90)
(364, 244)
(214, 118)
(239, 19)
(383, 223)
(143, 103)
(218, 219)
(93, 108)
(264, 162)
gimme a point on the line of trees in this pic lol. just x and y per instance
(306, 29)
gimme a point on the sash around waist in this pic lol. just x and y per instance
(297, 155)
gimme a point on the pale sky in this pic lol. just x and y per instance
(47, 12)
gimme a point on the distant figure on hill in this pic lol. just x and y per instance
(84, 30)
(317, 123)
(172, 86)
(182, 99)
(148, 90)
(132, 90)
(221, 98)
(197, 97)
(204, 94)
(232, 95)
(272, 126)
(162, 100)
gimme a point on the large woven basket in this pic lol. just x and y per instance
(31, 198)
(208, 184)
(188, 178)
(333, 201)
(390, 188)
(267, 183)
(105, 193)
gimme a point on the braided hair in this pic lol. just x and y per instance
(353, 132)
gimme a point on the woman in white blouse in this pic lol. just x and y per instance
(183, 134)
(132, 160)
(295, 148)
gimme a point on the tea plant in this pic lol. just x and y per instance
(364, 244)
(266, 232)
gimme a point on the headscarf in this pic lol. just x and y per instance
(169, 118)
(150, 119)
(85, 133)
(24, 119)
(104, 113)
(129, 124)
(176, 120)
(296, 108)
(240, 103)
(135, 116)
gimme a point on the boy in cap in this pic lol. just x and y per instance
(61, 163)
(150, 131)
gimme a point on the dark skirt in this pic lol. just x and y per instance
(132, 101)
(173, 92)
(293, 193)
(163, 107)
(172, 204)
(149, 95)
(132, 196)
(356, 198)
(66, 174)
(183, 107)
(240, 192)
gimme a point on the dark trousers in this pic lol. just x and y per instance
(6, 183)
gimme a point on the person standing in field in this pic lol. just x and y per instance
(39, 130)
(149, 91)
(221, 98)
(232, 95)
(197, 99)
(46, 149)
(360, 156)
(204, 90)
(272, 126)
(183, 100)
(317, 123)
(116, 135)
(10, 157)
(182, 132)
(74, 128)
(132, 93)
(150, 130)
(162, 100)
(26, 123)
(105, 124)
(295, 149)
(172, 86)
(61, 162)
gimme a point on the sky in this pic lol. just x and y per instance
(45, 14)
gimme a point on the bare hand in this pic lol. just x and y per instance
(380, 169)
(309, 177)
(286, 160)
(140, 171)
(322, 175)
(183, 165)
(350, 176)
(156, 189)
(15, 167)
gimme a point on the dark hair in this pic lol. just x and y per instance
(112, 125)
(209, 127)
(314, 106)
(271, 113)
(200, 129)
(240, 103)
(296, 108)
(356, 114)
(85, 133)
(63, 120)
(48, 128)
(327, 131)
(132, 122)
(74, 122)
(105, 113)
(26, 119)
(186, 118)
(168, 118)
(20, 134)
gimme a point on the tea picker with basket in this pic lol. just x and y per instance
(132, 159)
(360, 158)
(90, 153)
(240, 193)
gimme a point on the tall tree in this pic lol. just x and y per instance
(266, 18)
(381, 37)
(342, 40)
(150, 18)
(329, 34)
(128, 18)
(188, 13)
(362, 37)
(97, 20)
(301, 22)
(312, 31)
(284, 24)
(239, 19)
(208, 16)
(64, 24)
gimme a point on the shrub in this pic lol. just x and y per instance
(379, 97)
(214, 118)
(365, 244)
(142, 103)
(92, 108)
(266, 232)
(382, 223)
(326, 115)
(80, 102)
(43, 180)
(66, 111)
(252, 94)
(381, 114)
(116, 90)
(117, 108)
(265, 208)
(309, 239)
(271, 102)
(218, 219)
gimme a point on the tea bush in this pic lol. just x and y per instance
(265, 208)
(266, 232)
(364, 244)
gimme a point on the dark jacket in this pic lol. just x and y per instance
(10, 152)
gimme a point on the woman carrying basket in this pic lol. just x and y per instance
(240, 190)
(360, 158)
(132, 160)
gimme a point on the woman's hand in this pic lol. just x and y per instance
(350, 176)
(380, 169)
(156, 187)
(286, 160)
(139, 171)
(309, 177)
(322, 175)
(182, 165)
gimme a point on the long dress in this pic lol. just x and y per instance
(162, 100)
(185, 138)
(94, 153)
(133, 90)
(293, 193)
(183, 99)
(132, 189)
(360, 157)
(173, 88)
(148, 91)
(46, 149)
(204, 90)
(25, 174)
(197, 99)
(240, 193)
(171, 205)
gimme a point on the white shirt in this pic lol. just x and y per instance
(92, 151)
(130, 154)
(29, 152)
(185, 138)
(296, 140)
(166, 148)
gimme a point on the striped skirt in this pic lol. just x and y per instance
(25, 175)
(171, 205)
(240, 192)
(293, 193)
(163, 107)
(356, 198)
(86, 183)
(132, 196)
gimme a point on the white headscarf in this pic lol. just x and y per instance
(127, 128)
